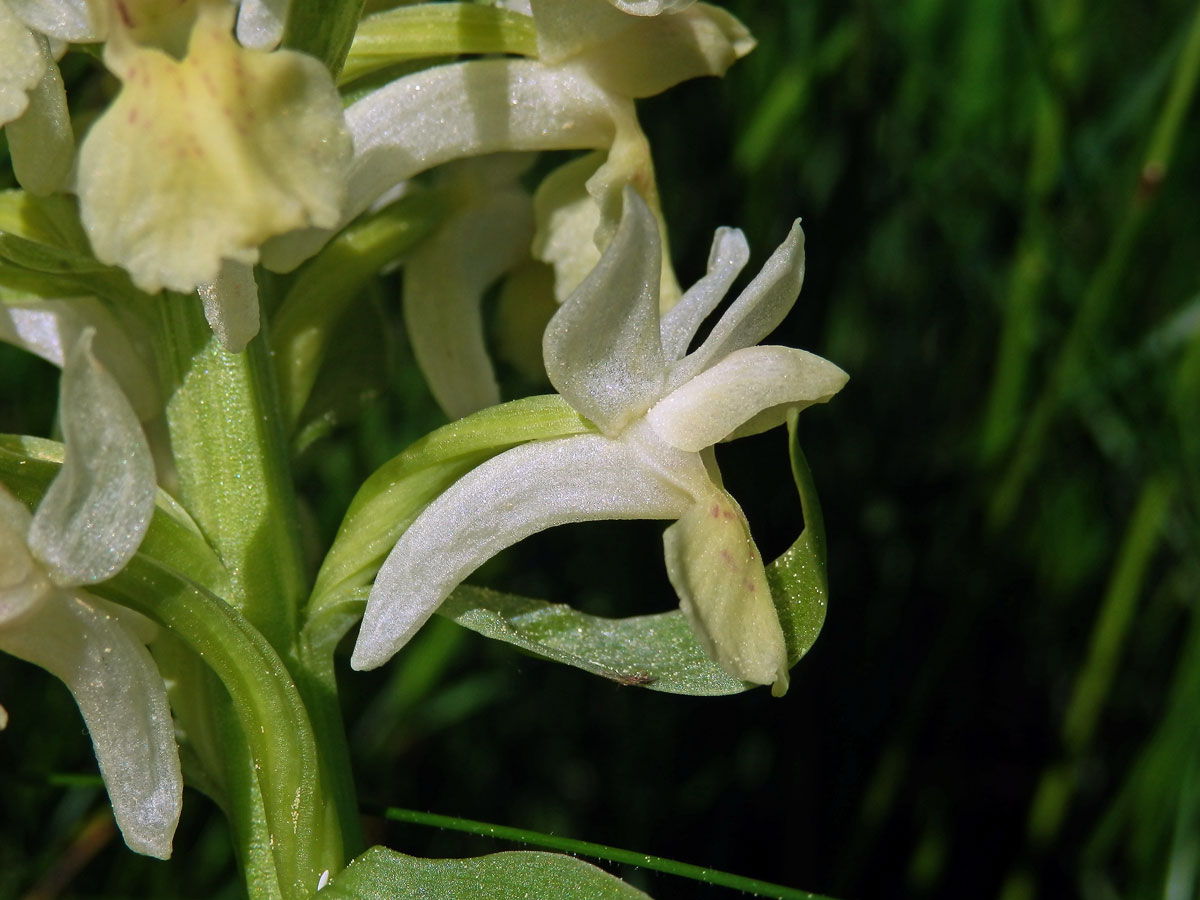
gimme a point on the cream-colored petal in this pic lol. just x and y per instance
(260, 23)
(518, 493)
(72, 21)
(756, 312)
(723, 398)
(41, 142)
(445, 278)
(718, 573)
(567, 218)
(479, 107)
(523, 309)
(566, 28)
(84, 642)
(651, 7)
(203, 159)
(570, 229)
(643, 54)
(469, 109)
(231, 305)
(602, 349)
(96, 511)
(726, 259)
(22, 65)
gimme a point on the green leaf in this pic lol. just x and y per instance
(400, 489)
(323, 28)
(53, 220)
(600, 851)
(658, 651)
(798, 579)
(44, 251)
(382, 874)
(442, 29)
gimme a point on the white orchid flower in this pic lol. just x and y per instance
(209, 149)
(86, 528)
(594, 61)
(658, 408)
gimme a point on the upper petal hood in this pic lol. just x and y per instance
(603, 348)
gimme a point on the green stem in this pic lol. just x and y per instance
(227, 437)
(601, 851)
(317, 683)
(325, 287)
(269, 713)
(228, 444)
(324, 29)
(1071, 364)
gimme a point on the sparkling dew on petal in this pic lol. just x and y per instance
(204, 158)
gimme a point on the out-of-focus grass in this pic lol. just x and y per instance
(1000, 205)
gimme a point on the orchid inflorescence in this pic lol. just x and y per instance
(237, 179)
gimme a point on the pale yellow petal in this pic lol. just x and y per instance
(639, 54)
(202, 159)
(718, 573)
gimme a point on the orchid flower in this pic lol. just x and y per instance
(594, 60)
(86, 528)
(209, 149)
(657, 409)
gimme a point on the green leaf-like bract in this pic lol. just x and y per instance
(382, 874)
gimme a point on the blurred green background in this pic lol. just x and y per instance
(1002, 221)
